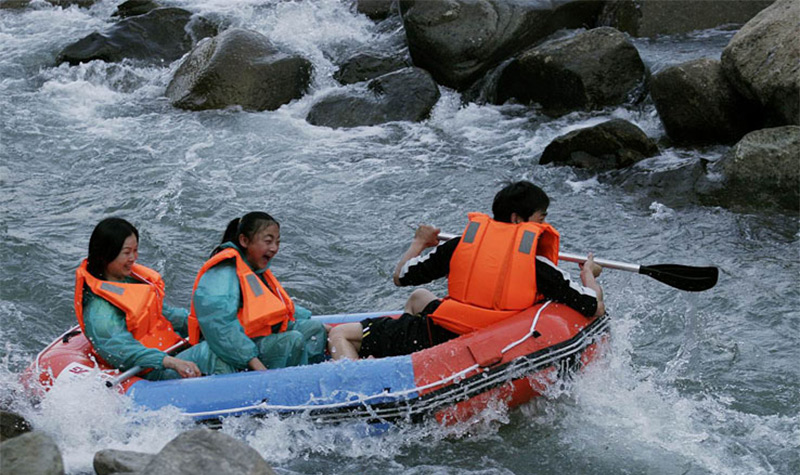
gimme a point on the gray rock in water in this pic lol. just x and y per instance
(365, 66)
(134, 8)
(764, 168)
(33, 453)
(459, 40)
(660, 17)
(405, 95)
(697, 104)
(161, 35)
(12, 425)
(111, 461)
(590, 70)
(613, 144)
(206, 451)
(238, 67)
(763, 62)
(375, 9)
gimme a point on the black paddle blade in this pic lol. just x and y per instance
(693, 279)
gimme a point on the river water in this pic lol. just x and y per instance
(690, 383)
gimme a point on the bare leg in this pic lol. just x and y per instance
(344, 340)
(418, 300)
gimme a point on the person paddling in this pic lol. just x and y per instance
(242, 311)
(120, 307)
(497, 268)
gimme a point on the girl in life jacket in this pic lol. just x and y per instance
(241, 310)
(120, 307)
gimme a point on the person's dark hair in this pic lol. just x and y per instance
(249, 225)
(521, 197)
(106, 243)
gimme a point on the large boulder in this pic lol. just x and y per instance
(159, 36)
(366, 66)
(405, 95)
(110, 461)
(238, 67)
(459, 40)
(697, 104)
(12, 425)
(613, 144)
(590, 70)
(763, 62)
(208, 451)
(764, 167)
(659, 17)
(33, 453)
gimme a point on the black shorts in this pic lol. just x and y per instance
(387, 336)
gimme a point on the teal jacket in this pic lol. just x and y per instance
(107, 330)
(217, 300)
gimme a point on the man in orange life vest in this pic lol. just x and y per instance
(495, 269)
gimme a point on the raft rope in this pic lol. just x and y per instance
(363, 399)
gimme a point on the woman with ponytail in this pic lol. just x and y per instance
(243, 312)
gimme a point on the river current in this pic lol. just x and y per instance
(690, 383)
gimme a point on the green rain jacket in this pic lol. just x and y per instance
(217, 300)
(107, 330)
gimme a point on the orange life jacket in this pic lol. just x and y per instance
(263, 307)
(141, 302)
(493, 272)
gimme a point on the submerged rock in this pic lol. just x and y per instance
(698, 105)
(159, 36)
(365, 66)
(613, 144)
(763, 62)
(238, 67)
(208, 451)
(33, 453)
(405, 95)
(593, 69)
(375, 9)
(134, 8)
(660, 17)
(12, 425)
(459, 40)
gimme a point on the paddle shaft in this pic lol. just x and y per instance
(124, 376)
(690, 278)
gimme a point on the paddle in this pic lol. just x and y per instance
(690, 278)
(124, 376)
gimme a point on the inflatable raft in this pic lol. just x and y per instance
(510, 362)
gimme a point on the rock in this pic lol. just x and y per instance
(33, 453)
(158, 36)
(763, 62)
(457, 41)
(698, 105)
(612, 144)
(674, 181)
(13, 4)
(134, 8)
(764, 167)
(12, 425)
(405, 95)
(659, 17)
(69, 3)
(365, 66)
(590, 70)
(207, 451)
(111, 461)
(238, 67)
(375, 9)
